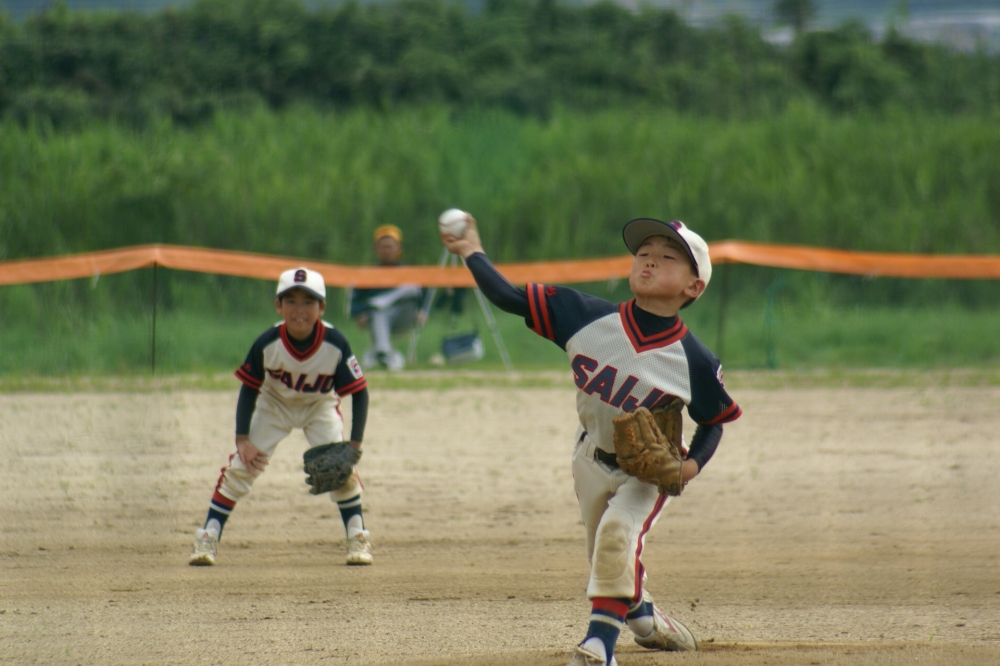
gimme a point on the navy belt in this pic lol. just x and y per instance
(609, 459)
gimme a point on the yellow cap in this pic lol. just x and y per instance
(390, 230)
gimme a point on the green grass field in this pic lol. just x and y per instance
(793, 329)
(309, 184)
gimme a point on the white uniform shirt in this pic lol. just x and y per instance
(325, 370)
(617, 369)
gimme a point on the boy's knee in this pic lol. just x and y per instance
(350, 489)
(237, 482)
(612, 547)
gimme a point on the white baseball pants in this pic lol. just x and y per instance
(272, 422)
(618, 511)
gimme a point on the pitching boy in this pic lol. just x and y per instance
(293, 377)
(625, 356)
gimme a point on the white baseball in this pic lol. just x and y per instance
(453, 222)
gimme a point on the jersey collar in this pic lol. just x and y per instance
(655, 340)
(318, 335)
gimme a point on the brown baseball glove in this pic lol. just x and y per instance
(329, 466)
(648, 446)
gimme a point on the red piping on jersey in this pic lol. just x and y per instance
(643, 343)
(303, 355)
(248, 379)
(353, 387)
(539, 311)
(543, 305)
(660, 502)
(734, 412)
(536, 325)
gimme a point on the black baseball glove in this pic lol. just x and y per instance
(329, 466)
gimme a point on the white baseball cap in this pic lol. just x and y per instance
(638, 230)
(302, 278)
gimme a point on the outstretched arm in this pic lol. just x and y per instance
(468, 244)
(494, 286)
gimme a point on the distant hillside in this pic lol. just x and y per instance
(962, 23)
(758, 11)
(21, 8)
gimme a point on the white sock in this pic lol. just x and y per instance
(354, 526)
(641, 626)
(214, 527)
(595, 645)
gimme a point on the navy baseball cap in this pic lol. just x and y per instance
(302, 278)
(638, 230)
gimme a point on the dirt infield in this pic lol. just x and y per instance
(833, 526)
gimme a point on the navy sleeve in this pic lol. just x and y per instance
(710, 404)
(555, 313)
(495, 286)
(245, 406)
(348, 378)
(359, 415)
(703, 444)
(251, 373)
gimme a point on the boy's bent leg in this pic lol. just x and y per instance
(351, 489)
(324, 425)
(268, 427)
(348, 501)
(594, 483)
(616, 566)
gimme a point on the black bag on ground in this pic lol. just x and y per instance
(462, 348)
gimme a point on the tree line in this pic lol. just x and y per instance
(65, 68)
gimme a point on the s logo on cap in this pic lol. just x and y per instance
(300, 275)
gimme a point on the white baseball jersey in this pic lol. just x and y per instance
(617, 368)
(300, 387)
(325, 370)
(622, 358)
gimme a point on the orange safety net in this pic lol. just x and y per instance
(873, 264)
(269, 267)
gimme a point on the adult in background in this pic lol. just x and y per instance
(386, 311)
